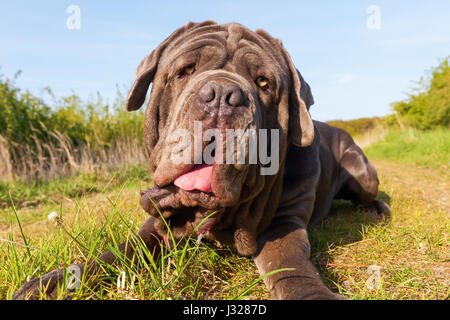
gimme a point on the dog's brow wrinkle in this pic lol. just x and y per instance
(233, 37)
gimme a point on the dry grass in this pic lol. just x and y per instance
(371, 136)
(60, 157)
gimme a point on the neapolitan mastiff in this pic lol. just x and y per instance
(228, 77)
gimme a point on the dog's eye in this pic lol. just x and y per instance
(186, 71)
(263, 83)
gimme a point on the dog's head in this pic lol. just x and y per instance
(212, 82)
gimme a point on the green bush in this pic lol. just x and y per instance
(430, 106)
(20, 112)
(23, 116)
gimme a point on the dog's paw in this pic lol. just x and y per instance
(381, 207)
(377, 208)
(46, 285)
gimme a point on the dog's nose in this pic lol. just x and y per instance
(217, 95)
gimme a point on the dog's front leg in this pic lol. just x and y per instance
(285, 245)
(50, 282)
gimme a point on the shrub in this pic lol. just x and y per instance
(358, 127)
(41, 140)
(430, 106)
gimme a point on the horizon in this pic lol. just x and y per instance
(356, 60)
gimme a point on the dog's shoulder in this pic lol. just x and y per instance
(331, 135)
(333, 140)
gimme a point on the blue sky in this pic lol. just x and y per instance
(353, 71)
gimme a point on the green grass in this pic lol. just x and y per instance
(411, 247)
(39, 191)
(97, 221)
(193, 271)
(424, 148)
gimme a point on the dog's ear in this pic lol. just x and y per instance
(146, 70)
(144, 76)
(301, 128)
(305, 92)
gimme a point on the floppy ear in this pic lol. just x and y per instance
(146, 70)
(301, 128)
(144, 76)
(305, 92)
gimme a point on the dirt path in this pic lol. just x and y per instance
(431, 185)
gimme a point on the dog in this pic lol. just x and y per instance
(207, 76)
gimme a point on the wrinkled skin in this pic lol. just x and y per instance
(263, 216)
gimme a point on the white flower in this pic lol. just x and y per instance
(54, 217)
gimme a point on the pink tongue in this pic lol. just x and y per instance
(199, 178)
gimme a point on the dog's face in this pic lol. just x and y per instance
(208, 80)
